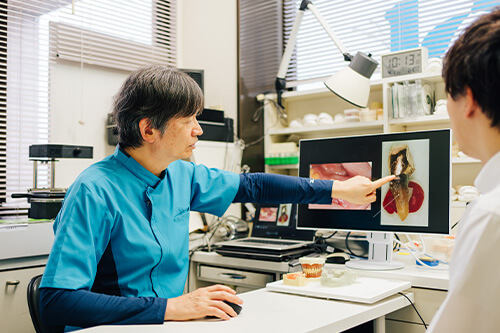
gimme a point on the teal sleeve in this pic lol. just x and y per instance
(82, 232)
(213, 190)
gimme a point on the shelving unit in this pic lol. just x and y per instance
(300, 103)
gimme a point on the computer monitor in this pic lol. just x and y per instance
(417, 201)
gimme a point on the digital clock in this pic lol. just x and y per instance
(410, 61)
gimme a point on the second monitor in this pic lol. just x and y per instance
(417, 201)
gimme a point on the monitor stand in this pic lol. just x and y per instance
(379, 254)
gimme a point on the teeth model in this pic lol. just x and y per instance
(312, 266)
(401, 164)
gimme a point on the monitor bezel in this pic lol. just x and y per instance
(445, 197)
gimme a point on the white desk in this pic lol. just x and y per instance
(265, 311)
(429, 285)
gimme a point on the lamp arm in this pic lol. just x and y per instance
(280, 83)
(329, 31)
(287, 55)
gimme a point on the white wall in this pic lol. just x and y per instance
(207, 38)
(81, 98)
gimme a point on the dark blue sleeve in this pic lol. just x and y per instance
(82, 308)
(273, 188)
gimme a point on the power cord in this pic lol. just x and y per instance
(349, 248)
(411, 251)
(413, 305)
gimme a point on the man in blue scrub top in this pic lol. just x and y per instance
(120, 254)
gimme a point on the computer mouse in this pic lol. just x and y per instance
(337, 258)
(237, 308)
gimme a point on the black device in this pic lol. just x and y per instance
(45, 203)
(215, 126)
(196, 74)
(237, 308)
(337, 258)
(52, 151)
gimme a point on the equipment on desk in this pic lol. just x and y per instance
(337, 258)
(232, 228)
(45, 203)
(197, 75)
(215, 126)
(274, 236)
(237, 308)
(351, 83)
(417, 201)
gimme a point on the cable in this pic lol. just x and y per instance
(413, 305)
(418, 259)
(349, 249)
(395, 247)
(321, 238)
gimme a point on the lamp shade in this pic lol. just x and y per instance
(350, 86)
(353, 82)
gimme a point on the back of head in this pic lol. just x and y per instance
(474, 61)
(159, 93)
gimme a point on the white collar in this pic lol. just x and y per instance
(488, 178)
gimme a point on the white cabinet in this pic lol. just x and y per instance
(207, 268)
(427, 302)
(14, 312)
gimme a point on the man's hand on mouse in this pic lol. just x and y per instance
(203, 302)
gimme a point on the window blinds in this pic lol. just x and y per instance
(375, 27)
(35, 33)
(260, 43)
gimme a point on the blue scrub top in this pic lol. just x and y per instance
(122, 228)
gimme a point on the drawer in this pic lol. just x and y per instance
(14, 312)
(234, 276)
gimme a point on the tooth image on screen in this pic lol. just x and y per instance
(405, 199)
(401, 164)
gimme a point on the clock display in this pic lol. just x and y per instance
(404, 62)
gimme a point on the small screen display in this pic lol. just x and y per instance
(278, 221)
(402, 63)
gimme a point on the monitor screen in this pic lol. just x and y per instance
(417, 201)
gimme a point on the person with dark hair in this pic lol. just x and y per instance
(120, 254)
(471, 71)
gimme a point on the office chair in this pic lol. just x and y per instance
(33, 294)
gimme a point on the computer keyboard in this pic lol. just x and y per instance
(269, 241)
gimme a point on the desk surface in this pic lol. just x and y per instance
(265, 311)
(423, 277)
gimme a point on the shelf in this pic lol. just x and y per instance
(283, 166)
(458, 204)
(431, 76)
(354, 126)
(374, 85)
(422, 120)
(464, 160)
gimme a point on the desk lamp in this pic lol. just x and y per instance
(351, 83)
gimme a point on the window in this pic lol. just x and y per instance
(375, 27)
(121, 34)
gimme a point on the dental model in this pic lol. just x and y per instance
(337, 278)
(295, 279)
(312, 266)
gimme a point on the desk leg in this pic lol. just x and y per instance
(379, 325)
